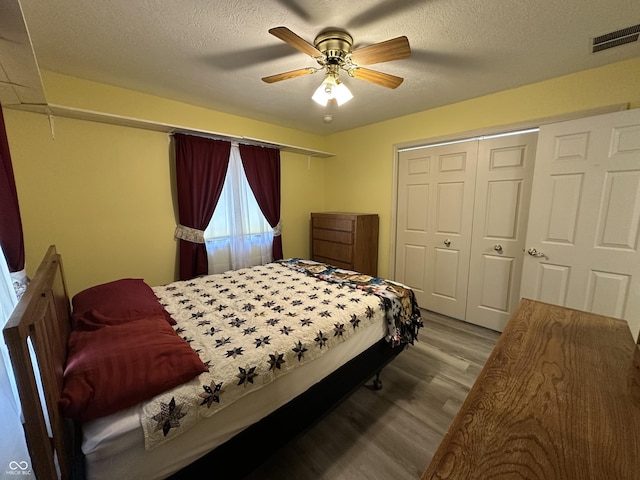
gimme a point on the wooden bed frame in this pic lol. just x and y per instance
(42, 317)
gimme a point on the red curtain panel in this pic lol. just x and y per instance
(201, 167)
(11, 237)
(262, 168)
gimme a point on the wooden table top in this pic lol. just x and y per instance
(559, 398)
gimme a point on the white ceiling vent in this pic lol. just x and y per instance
(614, 39)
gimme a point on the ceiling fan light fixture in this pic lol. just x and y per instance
(332, 88)
(342, 93)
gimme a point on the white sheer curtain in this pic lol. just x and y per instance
(14, 456)
(238, 235)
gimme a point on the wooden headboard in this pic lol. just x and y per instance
(43, 317)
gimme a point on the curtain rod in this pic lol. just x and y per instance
(101, 117)
(233, 140)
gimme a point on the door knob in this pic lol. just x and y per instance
(535, 253)
(447, 243)
(498, 248)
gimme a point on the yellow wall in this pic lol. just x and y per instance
(365, 156)
(100, 193)
(74, 92)
(303, 192)
(103, 193)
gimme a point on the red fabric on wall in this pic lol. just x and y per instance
(11, 237)
(262, 168)
(201, 167)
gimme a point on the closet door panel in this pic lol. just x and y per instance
(566, 190)
(497, 283)
(414, 267)
(586, 229)
(416, 215)
(551, 282)
(503, 188)
(445, 273)
(434, 213)
(463, 207)
(450, 209)
(503, 202)
(413, 221)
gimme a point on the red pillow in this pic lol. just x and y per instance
(118, 366)
(116, 302)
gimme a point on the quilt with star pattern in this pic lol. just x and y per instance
(253, 325)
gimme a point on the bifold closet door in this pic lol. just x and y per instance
(434, 218)
(583, 233)
(501, 208)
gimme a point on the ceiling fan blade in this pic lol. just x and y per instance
(393, 49)
(379, 78)
(287, 36)
(287, 75)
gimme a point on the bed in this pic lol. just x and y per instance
(275, 347)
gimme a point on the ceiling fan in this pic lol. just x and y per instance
(332, 50)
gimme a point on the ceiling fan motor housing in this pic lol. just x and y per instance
(335, 45)
(333, 51)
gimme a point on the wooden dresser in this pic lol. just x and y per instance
(346, 240)
(559, 398)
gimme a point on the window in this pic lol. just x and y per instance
(238, 235)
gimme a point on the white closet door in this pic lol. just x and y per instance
(434, 214)
(503, 188)
(585, 213)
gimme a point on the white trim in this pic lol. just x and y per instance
(470, 139)
(535, 123)
(94, 116)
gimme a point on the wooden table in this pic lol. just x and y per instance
(559, 398)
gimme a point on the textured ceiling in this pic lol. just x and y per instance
(214, 53)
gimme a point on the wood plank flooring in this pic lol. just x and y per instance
(392, 433)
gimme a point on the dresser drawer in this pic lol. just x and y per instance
(333, 235)
(335, 263)
(332, 223)
(332, 250)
